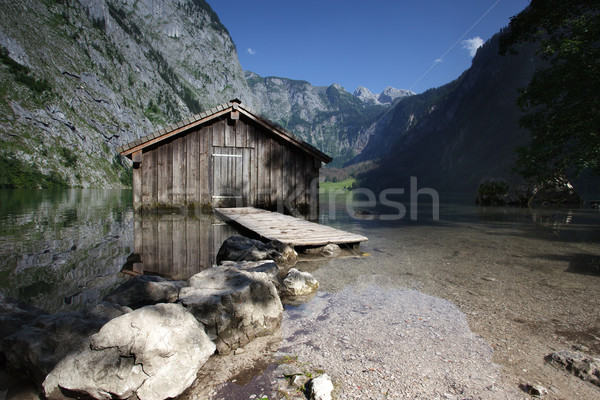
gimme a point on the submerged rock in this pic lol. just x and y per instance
(235, 305)
(298, 283)
(153, 353)
(144, 290)
(240, 248)
(579, 364)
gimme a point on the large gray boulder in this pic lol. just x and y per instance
(234, 305)
(240, 248)
(37, 347)
(144, 290)
(153, 353)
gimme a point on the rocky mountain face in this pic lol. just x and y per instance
(453, 136)
(328, 117)
(82, 77)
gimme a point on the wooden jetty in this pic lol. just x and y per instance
(287, 229)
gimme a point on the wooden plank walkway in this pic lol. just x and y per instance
(287, 229)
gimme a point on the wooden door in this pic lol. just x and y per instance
(228, 181)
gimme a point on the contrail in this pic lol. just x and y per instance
(437, 61)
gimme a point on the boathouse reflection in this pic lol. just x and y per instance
(175, 246)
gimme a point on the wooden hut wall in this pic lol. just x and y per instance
(186, 169)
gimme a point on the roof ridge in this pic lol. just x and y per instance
(233, 104)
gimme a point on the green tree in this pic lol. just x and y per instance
(561, 104)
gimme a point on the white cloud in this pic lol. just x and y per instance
(438, 60)
(472, 45)
(251, 51)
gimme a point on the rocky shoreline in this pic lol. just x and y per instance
(368, 330)
(150, 337)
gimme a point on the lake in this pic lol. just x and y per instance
(65, 249)
(527, 279)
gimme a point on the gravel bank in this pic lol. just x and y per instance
(383, 344)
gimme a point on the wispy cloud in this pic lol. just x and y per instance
(472, 45)
(459, 40)
(251, 51)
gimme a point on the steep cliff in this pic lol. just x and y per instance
(462, 132)
(80, 78)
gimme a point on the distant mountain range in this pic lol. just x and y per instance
(108, 72)
(388, 96)
(326, 116)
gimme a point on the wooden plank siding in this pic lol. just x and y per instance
(226, 157)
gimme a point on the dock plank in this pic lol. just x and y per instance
(287, 229)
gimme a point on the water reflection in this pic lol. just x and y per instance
(176, 246)
(63, 249)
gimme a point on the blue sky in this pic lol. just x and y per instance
(417, 44)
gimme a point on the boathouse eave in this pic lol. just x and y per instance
(220, 111)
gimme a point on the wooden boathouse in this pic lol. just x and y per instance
(229, 156)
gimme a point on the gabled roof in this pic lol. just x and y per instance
(219, 111)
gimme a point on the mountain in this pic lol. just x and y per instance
(327, 117)
(452, 137)
(388, 96)
(80, 78)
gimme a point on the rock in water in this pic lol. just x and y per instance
(329, 250)
(579, 364)
(555, 191)
(321, 388)
(298, 283)
(240, 248)
(144, 290)
(235, 305)
(266, 266)
(153, 353)
(36, 348)
(14, 314)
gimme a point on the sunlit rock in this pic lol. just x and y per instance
(235, 305)
(153, 353)
(298, 283)
(321, 388)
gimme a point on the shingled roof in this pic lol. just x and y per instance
(216, 112)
